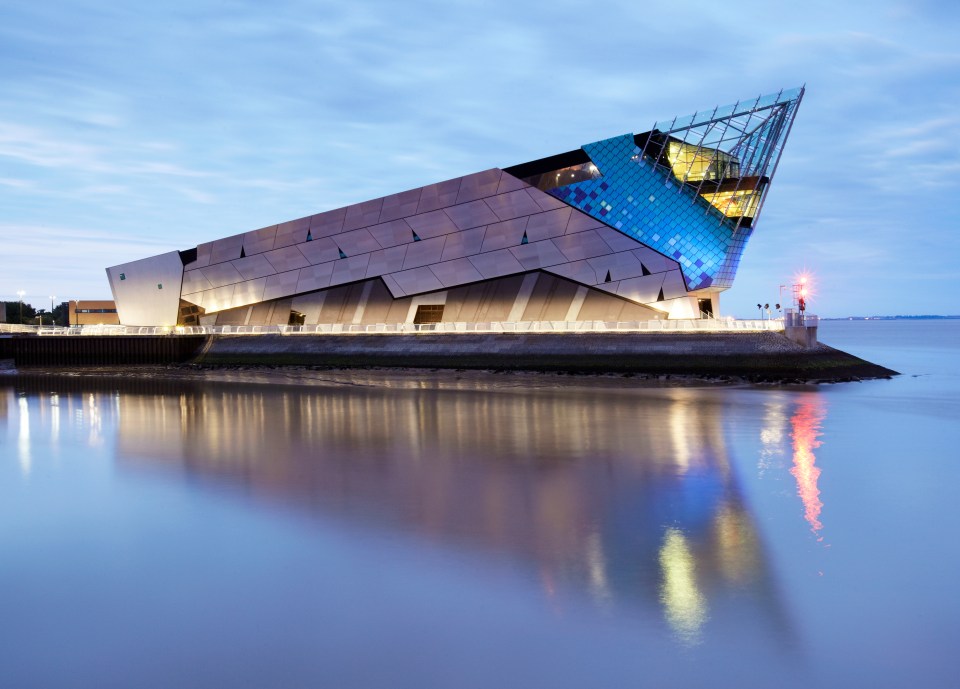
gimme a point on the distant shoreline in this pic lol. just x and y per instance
(892, 318)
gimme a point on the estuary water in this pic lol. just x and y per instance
(376, 530)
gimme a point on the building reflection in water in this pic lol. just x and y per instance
(806, 423)
(625, 496)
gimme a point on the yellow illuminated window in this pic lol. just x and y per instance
(691, 164)
(735, 204)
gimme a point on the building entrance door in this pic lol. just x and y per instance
(706, 308)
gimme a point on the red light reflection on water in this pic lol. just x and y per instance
(805, 425)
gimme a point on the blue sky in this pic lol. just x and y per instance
(131, 129)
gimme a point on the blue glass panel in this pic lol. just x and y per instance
(649, 204)
(645, 203)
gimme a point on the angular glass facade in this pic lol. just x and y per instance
(622, 229)
(691, 187)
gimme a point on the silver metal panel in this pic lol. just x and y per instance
(194, 298)
(549, 224)
(538, 255)
(581, 245)
(248, 292)
(226, 249)
(400, 205)
(147, 292)
(432, 224)
(350, 269)
(510, 183)
(392, 233)
(362, 214)
(255, 266)
(578, 271)
(326, 224)
(513, 204)
(622, 265)
(610, 287)
(438, 195)
(314, 277)
(320, 250)
(386, 261)
(655, 261)
(644, 289)
(416, 281)
(218, 299)
(501, 235)
(463, 244)
(618, 241)
(291, 232)
(258, 241)
(287, 258)
(580, 221)
(478, 185)
(545, 201)
(423, 252)
(194, 281)
(469, 215)
(281, 285)
(203, 256)
(674, 284)
(356, 242)
(496, 264)
(457, 272)
(393, 286)
(221, 274)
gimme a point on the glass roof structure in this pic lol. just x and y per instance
(691, 187)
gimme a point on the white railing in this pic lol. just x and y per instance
(717, 325)
(14, 328)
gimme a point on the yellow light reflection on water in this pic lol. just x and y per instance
(806, 423)
(683, 603)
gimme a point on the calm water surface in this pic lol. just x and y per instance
(526, 532)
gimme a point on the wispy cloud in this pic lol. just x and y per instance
(168, 124)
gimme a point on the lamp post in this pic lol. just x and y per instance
(52, 320)
(20, 294)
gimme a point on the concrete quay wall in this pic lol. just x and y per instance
(751, 355)
(756, 355)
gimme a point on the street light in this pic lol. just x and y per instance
(20, 294)
(52, 321)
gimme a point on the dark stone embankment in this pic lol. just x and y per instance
(767, 356)
(100, 350)
(757, 357)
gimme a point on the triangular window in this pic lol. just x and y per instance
(660, 296)
(416, 237)
(524, 240)
(644, 269)
(607, 279)
(243, 253)
(309, 236)
(342, 255)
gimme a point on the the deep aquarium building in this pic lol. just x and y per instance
(635, 227)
